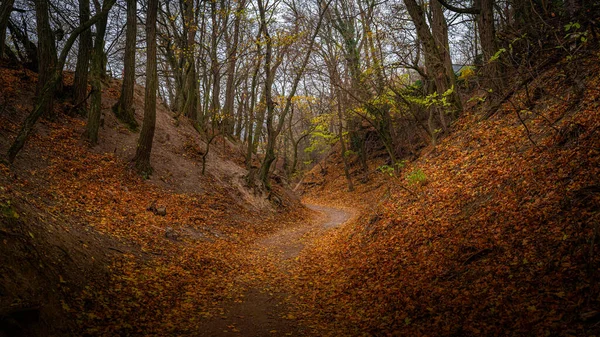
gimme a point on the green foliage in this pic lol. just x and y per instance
(391, 170)
(480, 99)
(415, 177)
(570, 25)
(433, 100)
(497, 55)
(349, 153)
(466, 74)
(573, 34)
(321, 138)
(386, 169)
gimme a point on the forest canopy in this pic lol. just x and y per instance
(288, 78)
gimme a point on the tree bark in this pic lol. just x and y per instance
(84, 52)
(343, 144)
(231, 63)
(144, 147)
(251, 119)
(492, 70)
(215, 105)
(123, 109)
(190, 106)
(46, 53)
(97, 70)
(268, 95)
(439, 29)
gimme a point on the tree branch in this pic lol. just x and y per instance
(471, 10)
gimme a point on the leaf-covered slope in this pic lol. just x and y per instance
(500, 239)
(75, 222)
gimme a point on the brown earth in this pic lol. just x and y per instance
(265, 308)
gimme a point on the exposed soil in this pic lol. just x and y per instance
(263, 309)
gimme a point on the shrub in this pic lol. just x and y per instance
(416, 177)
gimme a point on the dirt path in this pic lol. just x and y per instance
(261, 311)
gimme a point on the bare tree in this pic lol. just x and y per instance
(80, 83)
(123, 109)
(274, 127)
(46, 53)
(97, 69)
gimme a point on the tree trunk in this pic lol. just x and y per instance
(239, 117)
(190, 89)
(231, 63)
(343, 145)
(439, 29)
(269, 104)
(144, 147)
(249, 128)
(345, 23)
(123, 109)
(215, 105)
(5, 10)
(434, 60)
(492, 70)
(46, 53)
(97, 69)
(334, 76)
(80, 83)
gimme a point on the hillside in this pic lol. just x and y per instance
(82, 252)
(492, 232)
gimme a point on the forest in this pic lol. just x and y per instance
(299, 168)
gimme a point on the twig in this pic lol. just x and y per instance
(116, 250)
(471, 258)
(74, 107)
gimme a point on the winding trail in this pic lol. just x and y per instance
(261, 310)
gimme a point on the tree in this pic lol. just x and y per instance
(30, 57)
(251, 117)
(274, 127)
(435, 61)
(46, 53)
(144, 146)
(6, 8)
(47, 92)
(484, 9)
(330, 57)
(344, 20)
(190, 81)
(123, 109)
(97, 69)
(80, 83)
(232, 54)
(215, 66)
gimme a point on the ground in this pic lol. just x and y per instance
(264, 309)
(84, 253)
